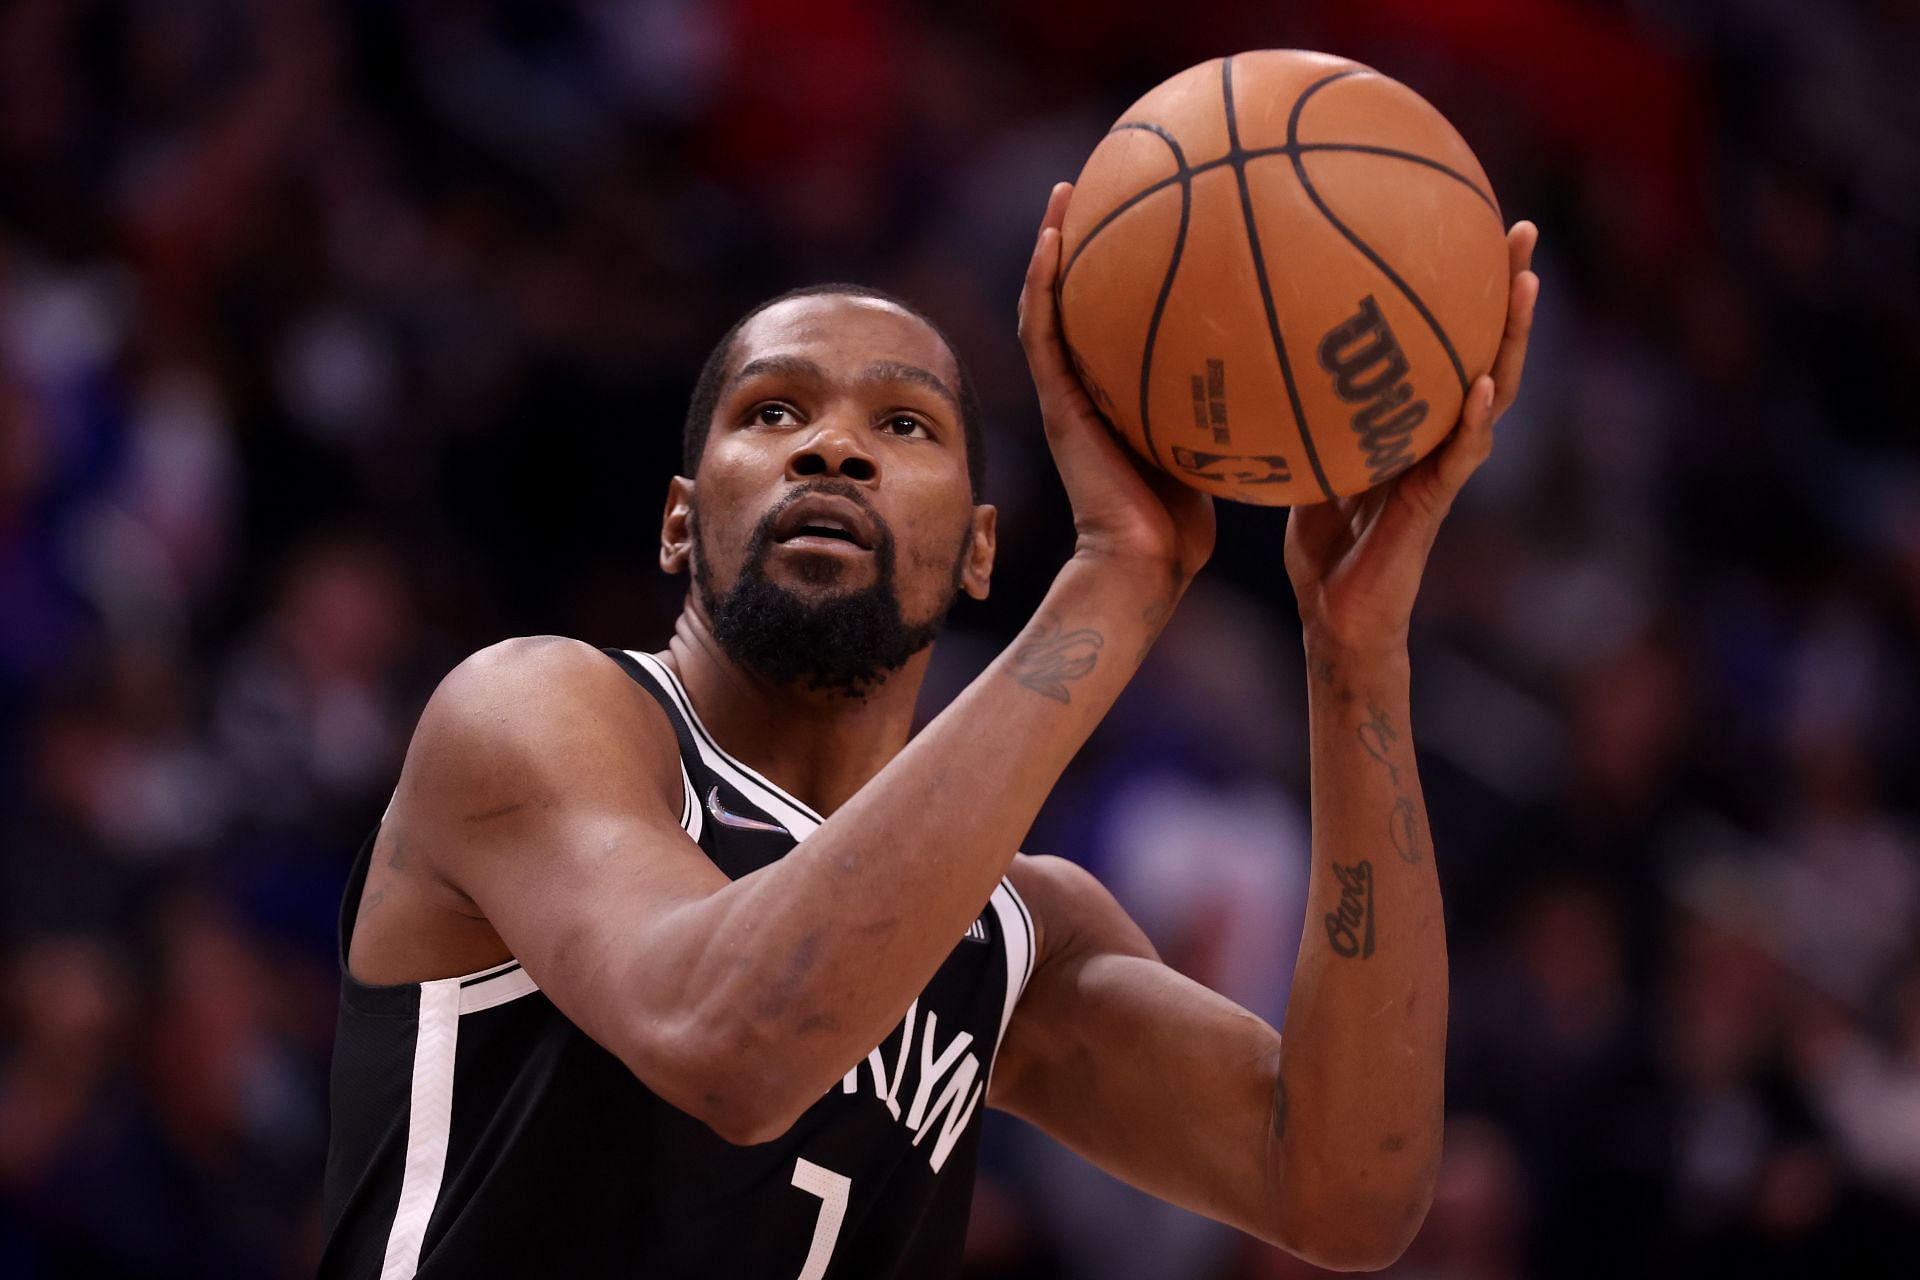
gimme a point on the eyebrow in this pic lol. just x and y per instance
(792, 366)
(879, 371)
(894, 371)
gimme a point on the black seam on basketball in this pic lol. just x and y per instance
(1238, 157)
(1306, 183)
(1393, 153)
(1158, 131)
(1160, 305)
(1181, 174)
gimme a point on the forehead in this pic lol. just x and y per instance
(840, 331)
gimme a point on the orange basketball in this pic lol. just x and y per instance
(1281, 272)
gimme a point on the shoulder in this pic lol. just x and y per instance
(542, 665)
(537, 707)
(531, 681)
(1073, 913)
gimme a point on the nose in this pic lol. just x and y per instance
(833, 449)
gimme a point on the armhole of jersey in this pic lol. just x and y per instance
(1018, 943)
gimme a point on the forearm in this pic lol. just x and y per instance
(1362, 1058)
(821, 952)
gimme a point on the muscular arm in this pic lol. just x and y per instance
(542, 786)
(1325, 1142)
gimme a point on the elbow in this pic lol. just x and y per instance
(724, 1077)
(743, 1122)
(1363, 1227)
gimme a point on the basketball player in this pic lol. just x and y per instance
(691, 964)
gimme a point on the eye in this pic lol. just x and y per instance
(773, 415)
(902, 424)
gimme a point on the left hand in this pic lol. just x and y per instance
(1356, 562)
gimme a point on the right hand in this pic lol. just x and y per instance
(1122, 508)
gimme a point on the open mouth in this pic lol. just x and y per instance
(823, 522)
(833, 532)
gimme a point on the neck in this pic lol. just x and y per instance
(820, 747)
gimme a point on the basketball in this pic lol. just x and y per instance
(1280, 273)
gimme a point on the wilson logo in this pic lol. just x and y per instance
(1370, 370)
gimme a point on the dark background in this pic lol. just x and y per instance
(338, 340)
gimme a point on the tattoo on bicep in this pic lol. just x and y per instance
(1049, 659)
(1350, 926)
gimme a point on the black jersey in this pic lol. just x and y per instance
(477, 1132)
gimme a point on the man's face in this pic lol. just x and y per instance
(833, 519)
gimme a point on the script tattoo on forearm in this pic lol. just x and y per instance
(1377, 736)
(1049, 659)
(1350, 926)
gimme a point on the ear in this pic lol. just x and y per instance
(676, 527)
(976, 574)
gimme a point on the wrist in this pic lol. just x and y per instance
(1153, 576)
(1351, 659)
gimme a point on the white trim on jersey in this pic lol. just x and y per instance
(1016, 929)
(791, 812)
(496, 991)
(429, 1121)
(1016, 923)
(695, 819)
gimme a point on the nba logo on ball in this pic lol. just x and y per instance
(1281, 273)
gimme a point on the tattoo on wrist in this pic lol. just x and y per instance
(1048, 659)
(1403, 828)
(1350, 926)
(1154, 616)
(1377, 737)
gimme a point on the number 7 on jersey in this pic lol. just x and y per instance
(833, 1190)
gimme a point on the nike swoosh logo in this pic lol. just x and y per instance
(728, 818)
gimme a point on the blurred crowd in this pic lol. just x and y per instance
(339, 339)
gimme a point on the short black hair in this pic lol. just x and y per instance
(713, 376)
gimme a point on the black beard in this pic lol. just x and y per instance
(845, 643)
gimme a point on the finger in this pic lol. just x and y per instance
(1038, 278)
(1471, 443)
(1040, 311)
(1052, 219)
(1511, 361)
(1057, 201)
(1521, 239)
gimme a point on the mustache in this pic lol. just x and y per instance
(761, 539)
